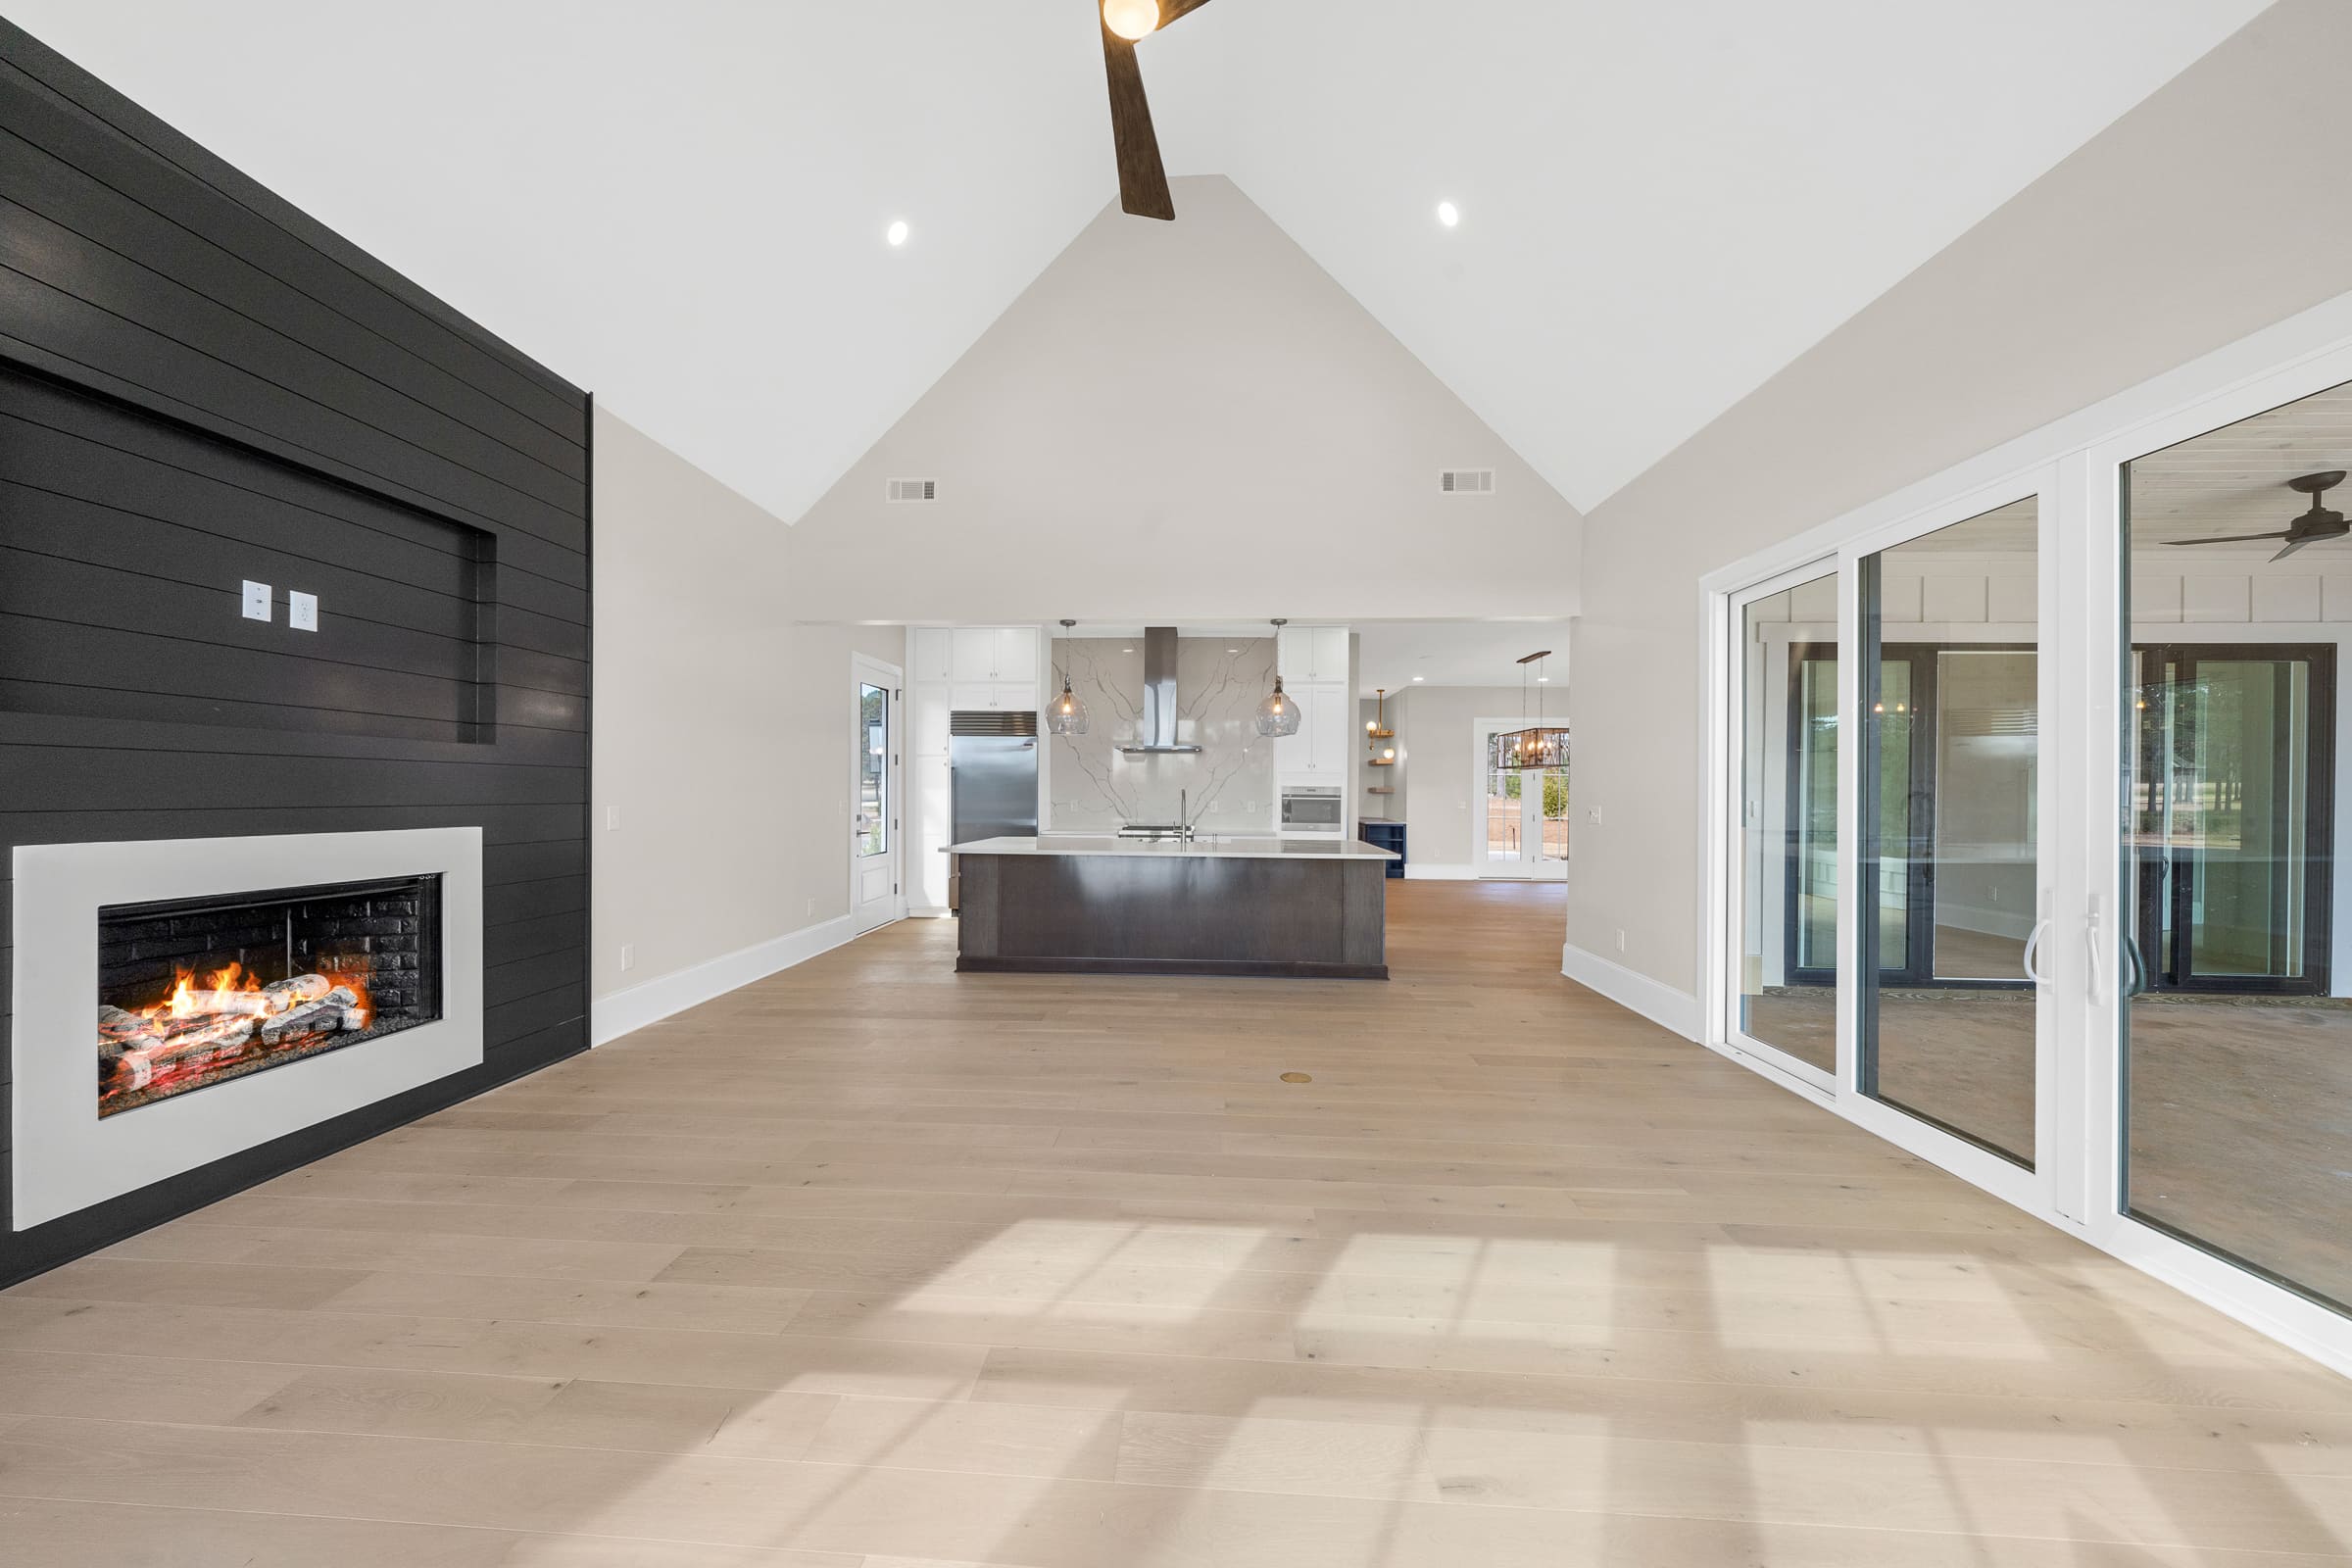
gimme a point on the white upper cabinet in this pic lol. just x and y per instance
(1310, 655)
(932, 654)
(993, 653)
(1293, 651)
(1331, 655)
(1017, 655)
(974, 654)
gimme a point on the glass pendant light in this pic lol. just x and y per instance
(1065, 714)
(1278, 714)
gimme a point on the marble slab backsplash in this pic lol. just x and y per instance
(1096, 788)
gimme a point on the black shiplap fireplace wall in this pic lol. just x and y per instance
(200, 385)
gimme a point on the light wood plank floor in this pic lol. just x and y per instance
(873, 1266)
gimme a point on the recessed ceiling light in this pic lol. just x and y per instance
(1416, 677)
(1541, 679)
(1449, 214)
(897, 232)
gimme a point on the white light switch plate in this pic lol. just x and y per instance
(257, 600)
(302, 611)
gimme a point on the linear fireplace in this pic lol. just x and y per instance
(146, 970)
(198, 991)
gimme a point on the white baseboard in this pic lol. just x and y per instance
(625, 1011)
(1653, 999)
(1420, 871)
(929, 911)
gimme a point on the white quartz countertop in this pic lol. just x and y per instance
(1229, 847)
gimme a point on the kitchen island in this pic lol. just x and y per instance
(1312, 907)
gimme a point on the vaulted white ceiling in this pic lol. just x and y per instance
(682, 205)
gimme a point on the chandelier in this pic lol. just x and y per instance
(1539, 745)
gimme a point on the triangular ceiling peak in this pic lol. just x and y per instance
(1187, 420)
(683, 207)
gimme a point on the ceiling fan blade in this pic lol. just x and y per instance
(2294, 544)
(1172, 10)
(1143, 180)
(2231, 538)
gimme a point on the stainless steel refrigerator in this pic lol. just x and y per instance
(992, 780)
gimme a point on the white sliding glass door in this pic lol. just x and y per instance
(2022, 828)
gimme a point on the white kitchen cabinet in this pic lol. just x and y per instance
(1323, 748)
(1331, 655)
(933, 653)
(1017, 656)
(993, 653)
(931, 705)
(973, 654)
(1327, 716)
(929, 880)
(1011, 695)
(1309, 655)
(1294, 652)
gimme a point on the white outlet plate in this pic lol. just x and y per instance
(628, 955)
(611, 818)
(257, 600)
(302, 611)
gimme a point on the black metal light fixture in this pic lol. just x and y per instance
(1065, 714)
(1278, 714)
(1541, 745)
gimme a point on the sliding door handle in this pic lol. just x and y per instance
(2094, 933)
(2033, 945)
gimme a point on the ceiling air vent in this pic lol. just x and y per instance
(1467, 482)
(913, 489)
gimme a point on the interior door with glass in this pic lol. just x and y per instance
(875, 813)
(1521, 827)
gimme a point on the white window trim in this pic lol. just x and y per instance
(2073, 465)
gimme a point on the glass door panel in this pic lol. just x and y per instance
(1951, 882)
(1504, 821)
(874, 771)
(2237, 1035)
(1784, 988)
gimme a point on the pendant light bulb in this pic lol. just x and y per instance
(1066, 714)
(1278, 716)
(1131, 19)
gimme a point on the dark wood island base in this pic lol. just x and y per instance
(1174, 912)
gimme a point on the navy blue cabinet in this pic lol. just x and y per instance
(1388, 834)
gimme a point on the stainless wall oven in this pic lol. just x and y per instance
(1313, 808)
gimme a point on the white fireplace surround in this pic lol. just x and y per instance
(65, 1159)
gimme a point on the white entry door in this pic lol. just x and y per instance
(876, 816)
(1518, 816)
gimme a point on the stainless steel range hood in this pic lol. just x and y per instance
(1159, 693)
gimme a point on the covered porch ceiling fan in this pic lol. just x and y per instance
(2318, 525)
(1143, 180)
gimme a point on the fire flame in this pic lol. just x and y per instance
(238, 990)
